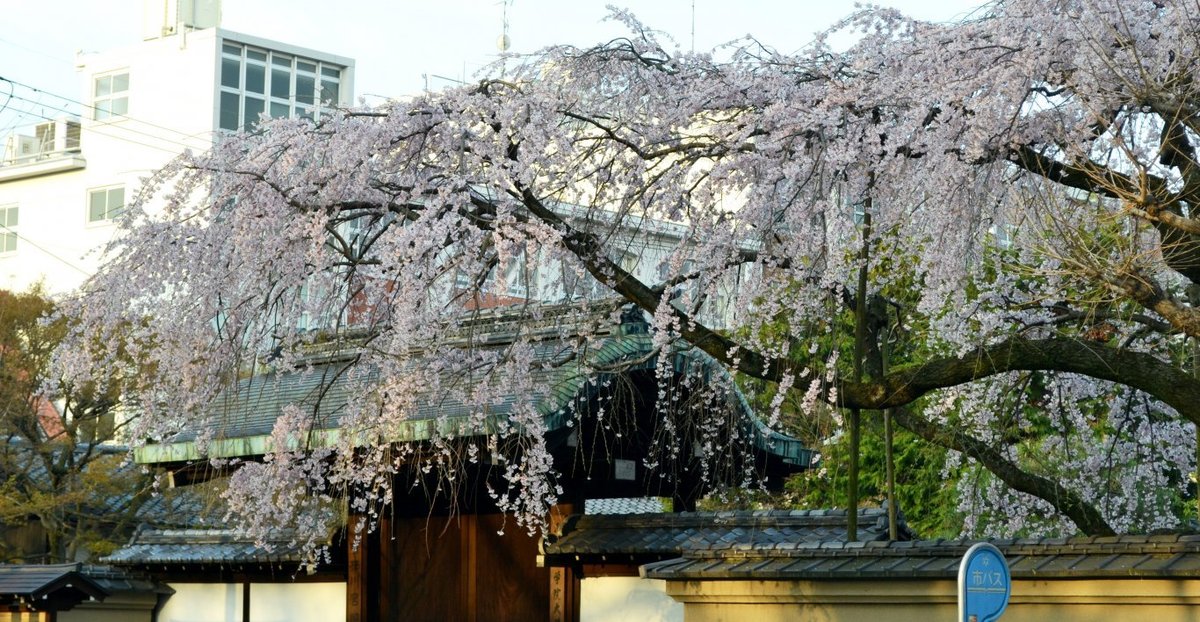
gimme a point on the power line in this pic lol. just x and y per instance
(95, 130)
(90, 107)
(45, 250)
(16, 116)
(11, 89)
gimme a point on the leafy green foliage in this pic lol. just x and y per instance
(65, 493)
(924, 493)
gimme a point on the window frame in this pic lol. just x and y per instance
(275, 64)
(110, 97)
(9, 233)
(109, 215)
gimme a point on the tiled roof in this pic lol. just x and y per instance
(197, 505)
(1117, 556)
(670, 535)
(61, 586)
(204, 546)
(24, 456)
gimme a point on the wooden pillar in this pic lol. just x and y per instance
(245, 600)
(388, 576)
(468, 531)
(356, 570)
(564, 584)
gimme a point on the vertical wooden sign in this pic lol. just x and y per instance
(563, 604)
(356, 570)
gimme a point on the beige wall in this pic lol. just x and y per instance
(1147, 600)
(288, 602)
(120, 607)
(269, 602)
(203, 602)
(626, 599)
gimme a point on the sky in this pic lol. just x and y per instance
(403, 46)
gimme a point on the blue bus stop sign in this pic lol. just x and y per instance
(983, 584)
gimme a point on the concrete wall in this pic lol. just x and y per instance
(269, 602)
(626, 599)
(1077, 600)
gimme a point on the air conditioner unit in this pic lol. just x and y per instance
(70, 134)
(58, 136)
(45, 134)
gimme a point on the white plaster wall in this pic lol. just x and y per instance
(627, 599)
(204, 602)
(269, 602)
(172, 107)
(296, 602)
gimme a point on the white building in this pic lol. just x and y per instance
(63, 180)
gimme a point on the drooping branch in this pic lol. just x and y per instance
(902, 386)
(1085, 516)
(588, 249)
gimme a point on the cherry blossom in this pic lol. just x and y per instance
(1029, 177)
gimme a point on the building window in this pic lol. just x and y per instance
(8, 229)
(105, 204)
(1003, 235)
(254, 81)
(110, 96)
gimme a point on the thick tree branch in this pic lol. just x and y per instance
(1085, 516)
(1086, 176)
(1148, 293)
(903, 385)
(1141, 371)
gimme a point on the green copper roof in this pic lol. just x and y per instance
(247, 415)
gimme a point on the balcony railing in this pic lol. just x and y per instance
(43, 141)
(42, 149)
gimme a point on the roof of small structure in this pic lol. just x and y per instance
(46, 587)
(205, 546)
(624, 505)
(116, 580)
(663, 535)
(247, 413)
(1131, 556)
